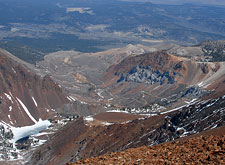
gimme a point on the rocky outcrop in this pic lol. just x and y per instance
(160, 78)
(158, 68)
(141, 74)
(214, 50)
(6, 148)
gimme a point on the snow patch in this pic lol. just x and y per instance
(180, 128)
(9, 97)
(129, 144)
(193, 100)
(10, 120)
(209, 105)
(99, 93)
(10, 108)
(21, 132)
(13, 70)
(9, 152)
(147, 133)
(178, 108)
(142, 118)
(34, 101)
(156, 87)
(111, 134)
(119, 111)
(126, 122)
(107, 123)
(214, 126)
(172, 110)
(27, 111)
(89, 118)
(71, 98)
(201, 84)
(82, 102)
(42, 133)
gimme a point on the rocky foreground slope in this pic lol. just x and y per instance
(207, 148)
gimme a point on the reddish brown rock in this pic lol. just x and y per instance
(39, 95)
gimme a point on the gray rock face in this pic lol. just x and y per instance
(214, 50)
(7, 151)
(5, 133)
(141, 74)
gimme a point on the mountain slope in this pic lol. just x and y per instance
(85, 140)
(131, 81)
(24, 96)
(156, 77)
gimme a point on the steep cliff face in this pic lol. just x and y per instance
(24, 96)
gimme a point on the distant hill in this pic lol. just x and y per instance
(31, 30)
